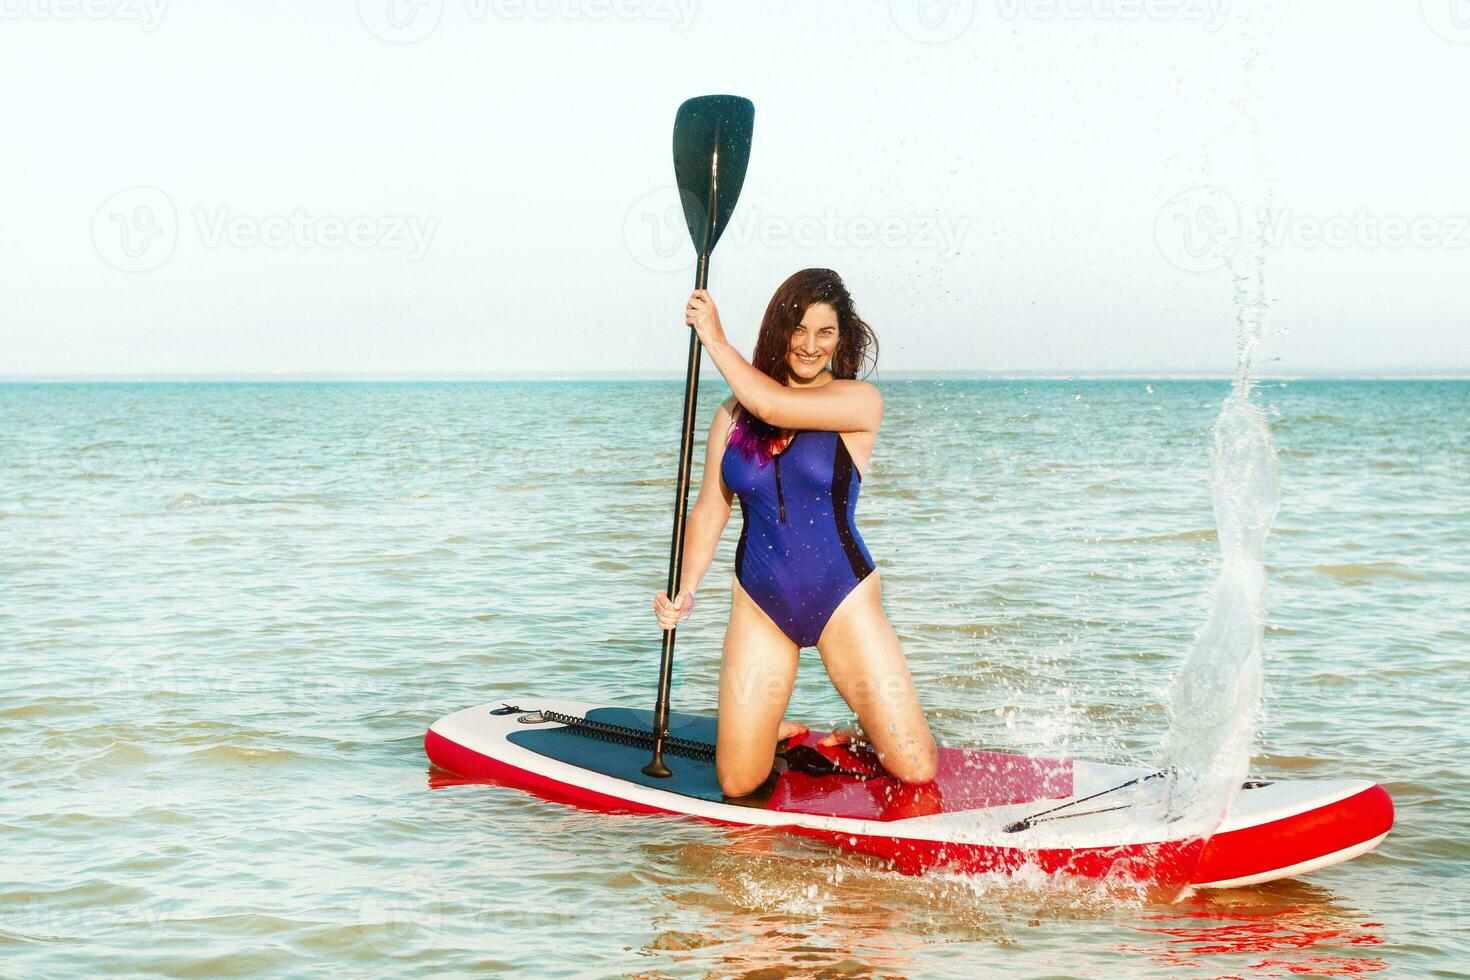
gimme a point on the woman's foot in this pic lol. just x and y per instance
(841, 736)
(838, 736)
(790, 729)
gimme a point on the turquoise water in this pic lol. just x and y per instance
(229, 611)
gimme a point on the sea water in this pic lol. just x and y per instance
(229, 611)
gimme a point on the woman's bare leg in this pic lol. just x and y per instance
(757, 673)
(867, 666)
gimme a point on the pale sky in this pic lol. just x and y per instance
(484, 186)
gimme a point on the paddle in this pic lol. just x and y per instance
(798, 758)
(711, 150)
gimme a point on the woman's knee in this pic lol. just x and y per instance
(917, 762)
(735, 781)
(919, 772)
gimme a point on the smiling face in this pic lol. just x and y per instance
(813, 342)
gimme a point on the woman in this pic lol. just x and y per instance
(792, 443)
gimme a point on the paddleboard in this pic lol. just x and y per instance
(984, 812)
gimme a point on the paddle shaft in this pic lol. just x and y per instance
(656, 766)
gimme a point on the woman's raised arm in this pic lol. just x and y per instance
(839, 406)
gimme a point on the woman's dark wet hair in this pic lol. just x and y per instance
(857, 346)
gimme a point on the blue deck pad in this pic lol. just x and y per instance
(692, 777)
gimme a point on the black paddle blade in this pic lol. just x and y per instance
(711, 151)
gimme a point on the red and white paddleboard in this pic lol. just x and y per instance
(984, 812)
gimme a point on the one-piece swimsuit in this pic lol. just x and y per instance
(799, 553)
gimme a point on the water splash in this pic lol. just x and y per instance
(1215, 699)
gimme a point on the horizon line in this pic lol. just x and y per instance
(553, 376)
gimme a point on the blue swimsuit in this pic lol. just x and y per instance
(799, 554)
